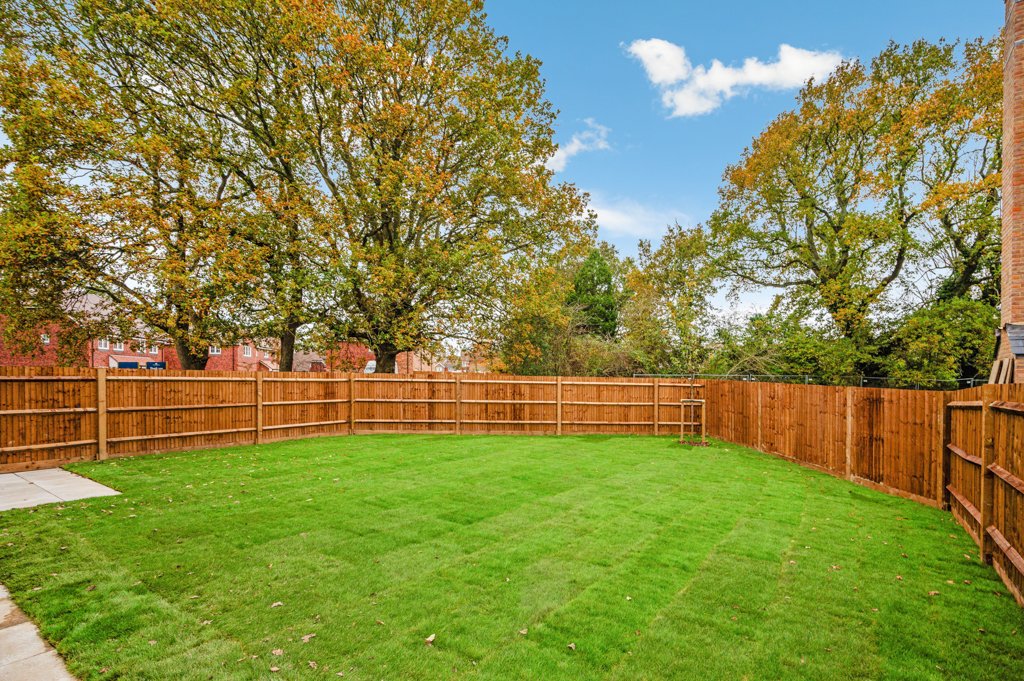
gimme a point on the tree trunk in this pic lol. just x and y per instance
(386, 359)
(288, 347)
(189, 361)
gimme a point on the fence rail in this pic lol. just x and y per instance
(960, 451)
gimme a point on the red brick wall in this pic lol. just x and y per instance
(234, 359)
(45, 357)
(1013, 177)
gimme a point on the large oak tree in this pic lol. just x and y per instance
(885, 171)
(397, 150)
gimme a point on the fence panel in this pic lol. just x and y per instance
(41, 407)
(1005, 528)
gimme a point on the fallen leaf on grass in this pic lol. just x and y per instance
(305, 639)
(205, 622)
(152, 643)
(276, 604)
(523, 632)
(91, 587)
(275, 669)
(380, 623)
(312, 664)
(898, 577)
(933, 593)
(277, 652)
(572, 646)
(430, 639)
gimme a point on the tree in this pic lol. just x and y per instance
(666, 319)
(594, 292)
(945, 341)
(877, 166)
(153, 231)
(406, 150)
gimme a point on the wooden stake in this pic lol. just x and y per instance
(351, 404)
(657, 406)
(458, 404)
(101, 410)
(259, 408)
(558, 387)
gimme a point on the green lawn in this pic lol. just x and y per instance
(656, 561)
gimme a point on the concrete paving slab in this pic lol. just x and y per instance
(20, 642)
(54, 485)
(25, 497)
(78, 490)
(45, 474)
(45, 667)
(4, 593)
(10, 614)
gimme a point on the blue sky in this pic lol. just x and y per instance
(644, 166)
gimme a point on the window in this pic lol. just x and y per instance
(119, 347)
(142, 349)
(214, 349)
(45, 338)
(154, 350)
(103, 344)
(246, 351)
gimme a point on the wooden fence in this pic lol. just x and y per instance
(962, 451)
(49, 417)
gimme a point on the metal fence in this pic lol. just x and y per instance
(840, 381)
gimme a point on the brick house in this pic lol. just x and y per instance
(104, 352)
(247, 356)
(107, 353)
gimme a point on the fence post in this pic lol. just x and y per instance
(558, 399)
(458, 404)
(849, 433)
(101, 413)
(946, 437)
(657, 405)
(760, 417)
(988, 449)
(259, 407)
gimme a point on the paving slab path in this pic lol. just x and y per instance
(24, 655)
(53, 485)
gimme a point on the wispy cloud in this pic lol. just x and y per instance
(628, 218)
(589, 140)
(689, 90)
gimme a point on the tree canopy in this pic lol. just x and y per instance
(389, 152)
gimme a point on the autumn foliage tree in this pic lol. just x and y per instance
(395, 148)
(106, 198)
(884, 170)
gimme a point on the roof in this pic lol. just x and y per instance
(1015, 334)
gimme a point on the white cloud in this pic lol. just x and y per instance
(628, 218)
(589, 140)
(692, 91)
